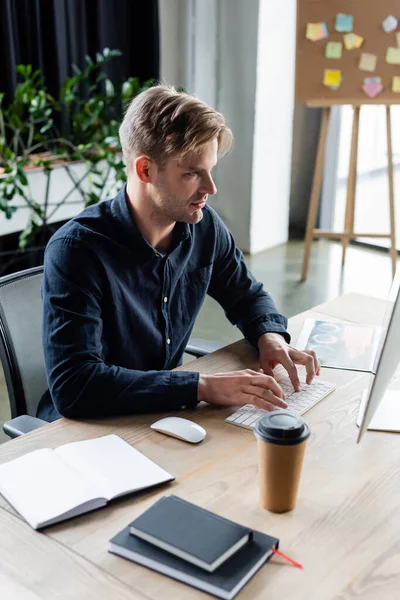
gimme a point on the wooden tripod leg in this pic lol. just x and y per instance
(351, 184)
(316, 190)
(393, 251)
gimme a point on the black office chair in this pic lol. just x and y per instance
(21, 351)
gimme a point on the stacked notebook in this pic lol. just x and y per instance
(195, 546)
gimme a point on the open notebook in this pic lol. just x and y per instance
(47, 486)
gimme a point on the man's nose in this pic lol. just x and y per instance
(209, 187)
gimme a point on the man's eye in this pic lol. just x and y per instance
(191, 174)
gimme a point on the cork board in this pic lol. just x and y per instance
(311, 61)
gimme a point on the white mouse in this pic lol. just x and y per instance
(183, 429)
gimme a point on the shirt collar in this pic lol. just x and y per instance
(132, 237)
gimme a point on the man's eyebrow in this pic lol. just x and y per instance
(195, 168)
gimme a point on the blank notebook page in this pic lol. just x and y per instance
(114, 464)
(41, 486)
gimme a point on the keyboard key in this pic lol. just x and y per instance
(298, 402)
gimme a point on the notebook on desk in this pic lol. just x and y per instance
(190, 532)
(225, 582)
(47, 486)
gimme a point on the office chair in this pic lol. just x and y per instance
(21, 351)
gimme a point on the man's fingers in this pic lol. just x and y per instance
(267, 383)
(262, 404)
(317, 366)
(290, 367)
(267, 370)
(306, 358)
(260, 396)
(310, 368)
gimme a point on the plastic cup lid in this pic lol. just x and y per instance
(282, 427)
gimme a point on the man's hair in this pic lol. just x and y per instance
(162, 123)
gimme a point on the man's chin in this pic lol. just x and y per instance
(196, 216)
(193, 217)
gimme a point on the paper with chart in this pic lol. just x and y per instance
(342, 345)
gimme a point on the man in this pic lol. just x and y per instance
(125, 280)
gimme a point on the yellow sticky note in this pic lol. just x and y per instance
(333, 50)
(316, 31)
(367, 62)
(393, 56)
(352, 41)
(313, 30)
(396, 84)
(332, 77)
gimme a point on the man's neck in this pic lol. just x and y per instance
(159, 235)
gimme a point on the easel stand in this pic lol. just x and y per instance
(348, 233)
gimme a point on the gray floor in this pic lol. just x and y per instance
(366, 271)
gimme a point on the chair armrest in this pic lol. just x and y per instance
(198, 347)
(21, 425)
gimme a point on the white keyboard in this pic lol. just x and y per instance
(299, 402)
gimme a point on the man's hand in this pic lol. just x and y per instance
(241, 387)
(274, 350)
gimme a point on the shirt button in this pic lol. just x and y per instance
(168, 341)
(165, 299)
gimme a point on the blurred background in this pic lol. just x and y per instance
(69, 67)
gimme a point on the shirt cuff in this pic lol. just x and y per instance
(183, 387)
(268, 326)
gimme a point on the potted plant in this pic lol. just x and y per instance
(72, 139)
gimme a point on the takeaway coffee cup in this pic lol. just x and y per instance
(281, 440)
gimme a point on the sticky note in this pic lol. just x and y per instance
(393, 56)
(398, 39)
(367, 62)
(316, 31)
(372, 86)
(389, 24)
(323, 31)
(396, 84)
(344, 22)
(352, 40)
(335, 87)
(333, 50)
(332, 78)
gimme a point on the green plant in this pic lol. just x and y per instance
(90, 107)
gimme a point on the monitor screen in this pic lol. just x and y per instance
(388, 358)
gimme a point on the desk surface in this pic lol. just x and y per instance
(344, 528)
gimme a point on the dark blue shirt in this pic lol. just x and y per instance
(117, 315)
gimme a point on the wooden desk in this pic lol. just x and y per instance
(35, 567)
(345, 528)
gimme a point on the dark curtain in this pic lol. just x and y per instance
(53, 34)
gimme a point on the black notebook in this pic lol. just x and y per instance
(190, 532)
(225, 582)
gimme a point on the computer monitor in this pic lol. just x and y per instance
(388, 361)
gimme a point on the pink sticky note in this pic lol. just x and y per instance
(372, 86)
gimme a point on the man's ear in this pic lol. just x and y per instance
(143, 168)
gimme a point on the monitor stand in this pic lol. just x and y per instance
(387, 416)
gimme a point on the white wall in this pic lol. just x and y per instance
(174, 17)
(236, 86)
(238, 55)
(272, 150)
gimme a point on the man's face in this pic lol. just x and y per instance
(182, 186)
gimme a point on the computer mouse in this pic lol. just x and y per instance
(183, 429)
